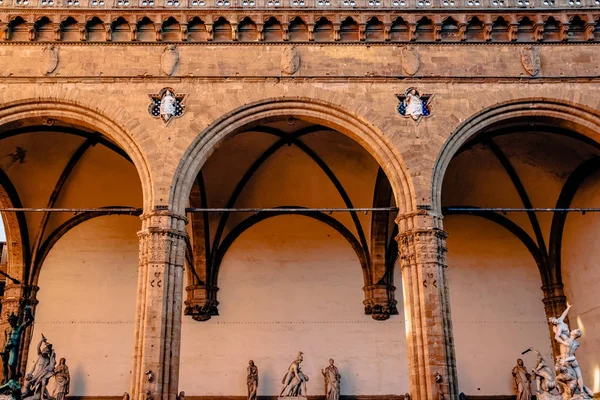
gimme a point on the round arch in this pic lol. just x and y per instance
(315, 111)
(572, 116)
(326, 219)
(81, 115)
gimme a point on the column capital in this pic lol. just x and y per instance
(422, 217)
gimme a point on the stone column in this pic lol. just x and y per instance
(555, 303)
(422, 247)
(158, 311)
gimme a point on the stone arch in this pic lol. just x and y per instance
(574, 116)
(316, 111)
(81, 115)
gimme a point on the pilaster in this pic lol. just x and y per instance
(422, 247)
(158, 310)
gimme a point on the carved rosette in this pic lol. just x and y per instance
(530, 59)
(169, 60)
(201, 303)
(410, 60)
(380, 302)
(290, 61)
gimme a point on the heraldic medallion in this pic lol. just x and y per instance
(166, 105)
(415, 105)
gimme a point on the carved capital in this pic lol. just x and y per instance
(380, 302)
(201, 303)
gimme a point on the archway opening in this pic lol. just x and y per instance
(242, 262)
(509, 271)
(70, 263)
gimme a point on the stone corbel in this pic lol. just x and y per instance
(362, 35)
(82, 32)
(462, 32)
(31, 28)
(380, 302)
(201, 303)
(437, 32)
(487, 32)
(209, 32)
(412, 32)
(234, 32)
(108, 32)
(261, 31)
(5, 31)
(311, 32)
(564, 32)
(538, 32)
(387, 27)
(158, 31)
(512, 32)
(57, 31)
(589, 31)
(336, 31)
(285, 27)
(184, 32)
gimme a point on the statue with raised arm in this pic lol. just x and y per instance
(544, 376)
(252, 380)
(561, 329)
(12, 340)
(43, 369)
(332, 381)
(294, 381)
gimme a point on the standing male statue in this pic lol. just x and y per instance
(12, 338)
(332, 381)
(522, 381)
(43, 369)
(252, 380)
(294, 380)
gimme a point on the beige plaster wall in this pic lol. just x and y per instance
(497, 309)
(87, 304)
(581, 276)
(288, 284)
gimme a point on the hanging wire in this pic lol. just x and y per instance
(366, 210)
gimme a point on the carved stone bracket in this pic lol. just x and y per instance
(380, 302)
(201, 303)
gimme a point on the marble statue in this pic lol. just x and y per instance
(252, 380)
(568, 379)
(62, 379)
(168, 105)
(12, 337)
(561, 329)
(522, 381)
(568, 359)
(37, 379)
(294, 381)
(332, 381)
(544, 376)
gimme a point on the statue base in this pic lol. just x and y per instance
(292, 398)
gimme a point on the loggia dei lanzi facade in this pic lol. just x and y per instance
(354, 179)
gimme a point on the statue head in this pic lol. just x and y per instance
(553, 320)
(13, 319)
(62, 361)
(575, 333)
(520, 362)
(251, 363)
(331, 361)
(47, 350)
(300, 358)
